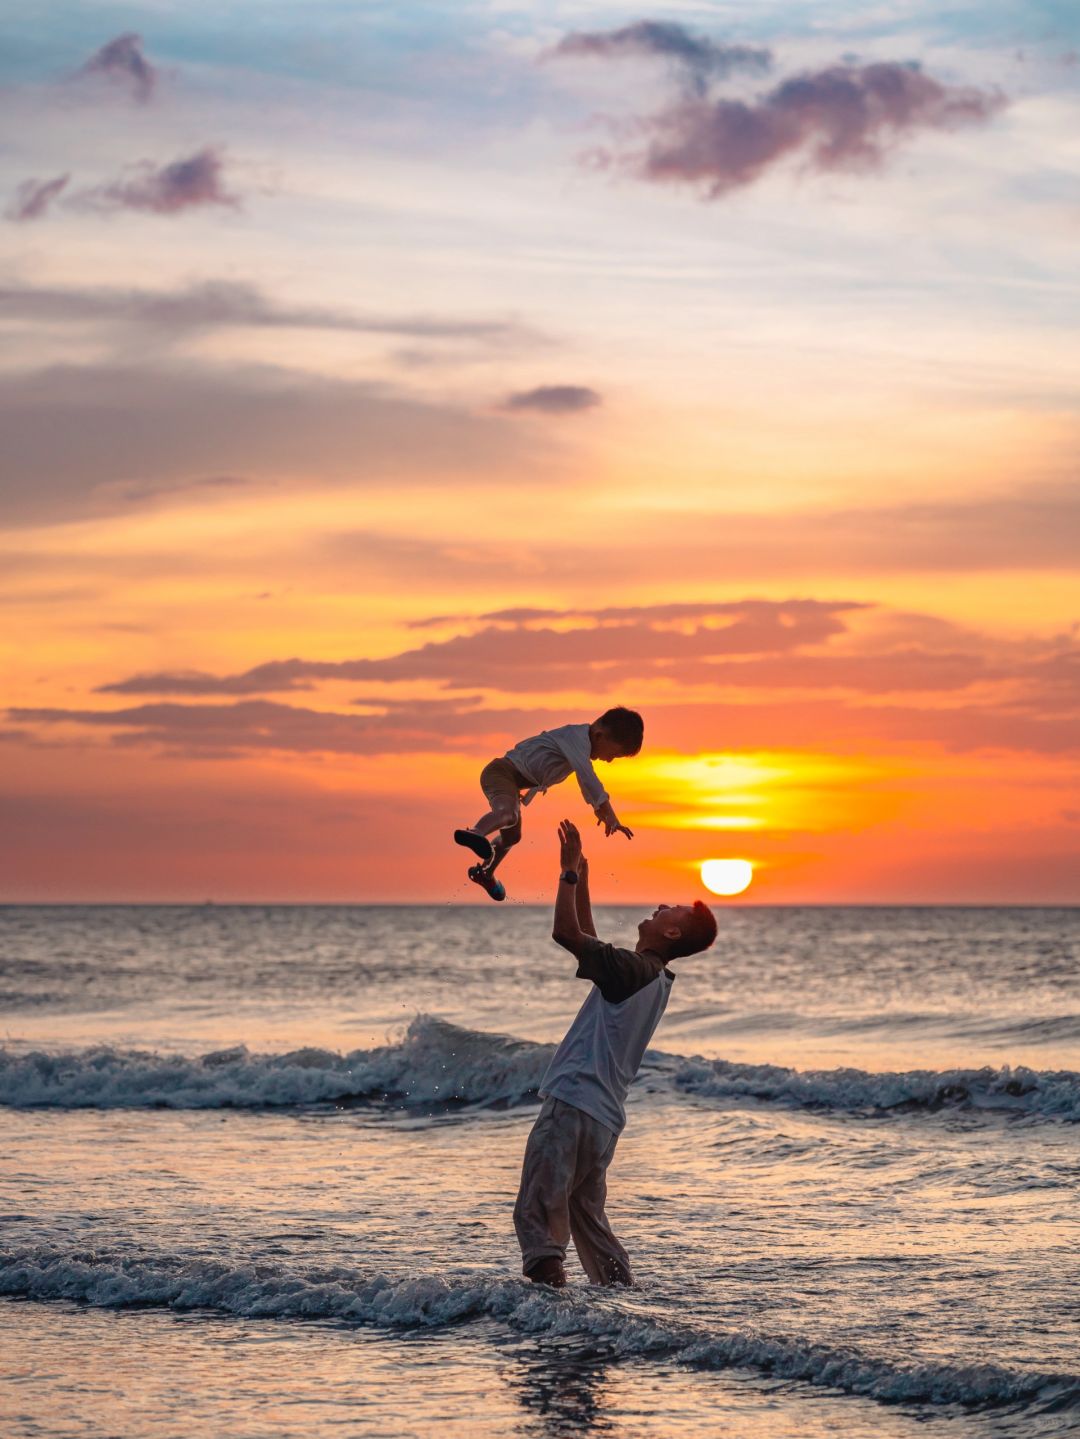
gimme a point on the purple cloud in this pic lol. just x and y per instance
(611, 645)
(75, 437)
(213, 304)
(988, 696)
(843, 668)
(122, 62)
(186, 184)
(700, 58)
(33, 197)
(842, 117)
(251, 726)
(554, 399)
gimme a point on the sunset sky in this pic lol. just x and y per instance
(385, 382)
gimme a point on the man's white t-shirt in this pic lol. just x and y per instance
(593, 1067)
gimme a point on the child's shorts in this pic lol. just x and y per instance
(502, 784)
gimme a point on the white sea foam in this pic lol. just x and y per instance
(437, 1062)
(1048, 1094)
(426, 1300)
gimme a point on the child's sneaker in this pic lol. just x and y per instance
(487, 882)
(477, 843)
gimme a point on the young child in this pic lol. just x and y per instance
(534, 765)
(564, 1173)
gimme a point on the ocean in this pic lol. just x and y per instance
(259, 1164)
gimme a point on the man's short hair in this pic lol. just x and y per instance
(697, 933)
(626, 728)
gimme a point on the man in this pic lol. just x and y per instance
(564, 1175)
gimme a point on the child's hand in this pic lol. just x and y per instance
(569, 845)
(606, 816)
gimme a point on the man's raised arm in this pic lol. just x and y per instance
(573, 927)
(584, 899)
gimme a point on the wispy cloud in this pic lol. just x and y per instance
(979, 695)
(844, 117)
(122, 62)
(853, 671)
(233, 304)
(554, 399)
(660, 615)
(1034, 528)
(33, 197)
(188, 183)
(191, 182)
(698, 59)
(142, 490)
(256, 726)
(75, 436)
(517, 654)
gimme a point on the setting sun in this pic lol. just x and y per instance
(726, 876)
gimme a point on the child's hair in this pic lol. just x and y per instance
(696, 935)
(626, 728)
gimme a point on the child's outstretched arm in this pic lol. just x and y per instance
(606, 816)
(576, 750)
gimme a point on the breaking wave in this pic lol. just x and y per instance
(429, 1301)
(1046, 1094)
(437, 1063)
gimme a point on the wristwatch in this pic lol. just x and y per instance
(569, 876)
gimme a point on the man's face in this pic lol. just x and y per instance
(664, 918)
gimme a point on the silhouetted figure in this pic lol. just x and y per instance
(564, 1175)
(532, 767)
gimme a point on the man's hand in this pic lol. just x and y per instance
(569, 845)
(606, 816)
(572, 900)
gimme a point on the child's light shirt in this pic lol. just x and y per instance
(548, 758)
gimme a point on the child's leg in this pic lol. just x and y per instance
(487, 823)
(499, 783)
(501, 791)
(504, 844)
